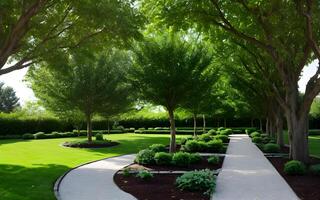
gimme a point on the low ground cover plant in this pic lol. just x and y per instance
(144, 175)
(294, 167)
(214, 160)
(198, 180)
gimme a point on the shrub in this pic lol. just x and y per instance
(181, 159)
(27, 136)
(294, 167)
(212, 132)
(221, 128)
(144, 175)
(192, 146)
(126, 172)
(271, 148)
(260, 146)
(255, 134)
(195, 158)
(226, 132)
(257, 139)
(205, 137)
(203, 146)
(315, 169)
(40, 135)
(224, 138)
(99, 136)
(157, 148)
(250, 130)
(163, 158)
(214, 160)
(215, 146)
(145, 156)
(202, 180)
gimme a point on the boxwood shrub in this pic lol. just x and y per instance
(271, 148)
(224, 138)
(215, 146)
(257, 139)
(212, 132)
(195, 158)
(315, 169)
(213, 160)
(294, 167)
(181, 159)
(163, 158)
(27, 136)
(157, 147)
(255, 134)
(192, 146)
(145, 156)
(205, 137)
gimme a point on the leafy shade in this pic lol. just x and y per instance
(89, 84)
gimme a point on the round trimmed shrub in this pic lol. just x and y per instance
(205, 137)
(40, 135)
(315, 169)
(255, 134)
(157, 147)
(294, 167)
(224, 138)
(213, 160)
(202, 180)
(99, 137)
(212, 132)
(215, 146)
(271, 148)
(203, 146)
(192, 146)
(221, 128)
(257, 139)
(27, 136)
(145, 156)
(195, 158)
(181, 159)
(250, 130)
(226, 132)
(163, 158)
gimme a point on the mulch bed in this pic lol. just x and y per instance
(160, 187)
(306, 186)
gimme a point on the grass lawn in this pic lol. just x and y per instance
(29, 168)
(314, 144)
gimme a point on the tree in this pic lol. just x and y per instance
(89, 84)
(43, 30)
(163, 71)
(8, 99)
(315, 108)
(288, 32)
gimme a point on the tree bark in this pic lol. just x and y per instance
(172, 131)
(204, 123)
(267, 126)
(89, 128)
(279, 125)
(194, 125)
(260, 123)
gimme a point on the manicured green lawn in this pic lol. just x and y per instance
(28, 169)
(314, 144)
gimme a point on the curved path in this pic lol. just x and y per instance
(94, 181)
(247, 174)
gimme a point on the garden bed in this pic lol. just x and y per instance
(305, 186)
(93, 144)
(160, 187)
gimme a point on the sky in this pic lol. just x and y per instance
(15, 80)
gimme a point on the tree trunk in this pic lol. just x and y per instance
(108, 124)
(89, 128)
(267, 126)
(279, 127)
(260, 123)
(194, 125)
(204, 123)
(172, 131)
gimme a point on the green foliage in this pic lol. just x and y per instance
(250, 130)
(192, 146)
(157, 147)
(224, 138)
(163, 158)
(205, 137)
(195, 158)
(144, 175)
(8, 99)
(181, 159)
(203, 146)
(202, 180)
(226, 132)
(294, 167)
(257, 140)
(315, 169)
(99, 136)
(145, 156)
(40, 135)
(271, 148)
(255, 134)
(213, 160)
(212, 132)
(215, 146)
(27, 136)
(126, 172)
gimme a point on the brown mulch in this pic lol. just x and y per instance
(160, 187)
(90, 145)
(306, 186)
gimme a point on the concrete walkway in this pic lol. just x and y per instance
(94, 181)
(247, 175)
